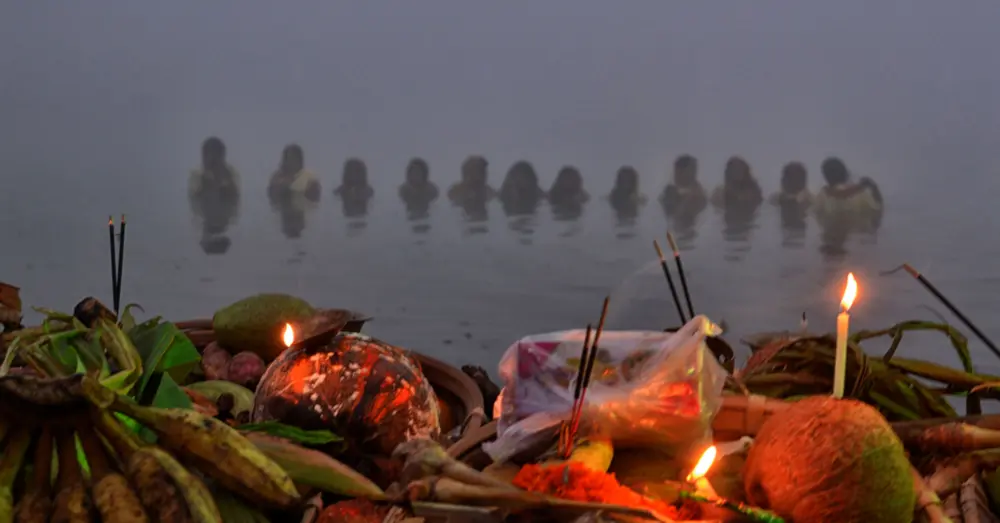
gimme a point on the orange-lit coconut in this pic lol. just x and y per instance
(367, 391)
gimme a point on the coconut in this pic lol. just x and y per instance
(825, 459)
(362, 389)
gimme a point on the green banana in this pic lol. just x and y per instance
(315, 469)
(219, 451)
(235, 511)
(14, 450)
(199, 498)
(167, 490)
(121, 349)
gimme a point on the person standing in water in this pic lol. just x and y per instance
(842, 200)
(473, 193)
(794, 187)
(216, 177)
(567, 195)
(473, 187)
(293, 191)
(520, 193)
(418, 192)
(625, 197)
(292, 177)
(684, 197)
(739, 189)
(214, 196)
(793, 202)
(354, 191)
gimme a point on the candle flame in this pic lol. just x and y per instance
(704, 463)
(289, 336)
(850, 292)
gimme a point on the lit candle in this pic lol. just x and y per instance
(289, 336)
(697, 476)
(843, 325)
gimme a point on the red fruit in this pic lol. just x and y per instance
(215, 362)
(245, 369)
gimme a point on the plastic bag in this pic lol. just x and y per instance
(653, 389)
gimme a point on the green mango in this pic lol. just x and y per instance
(256, 323)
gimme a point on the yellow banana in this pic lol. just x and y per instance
(14, 449)
(219, 451)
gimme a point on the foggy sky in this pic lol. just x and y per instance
(124, 91)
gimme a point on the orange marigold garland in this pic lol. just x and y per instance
(577, 482)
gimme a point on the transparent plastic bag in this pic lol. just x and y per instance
(648, 388)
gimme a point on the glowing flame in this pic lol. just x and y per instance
(289, 335)
(850, 292)
(704, 463)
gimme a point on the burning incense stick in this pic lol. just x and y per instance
(589, 372)
(947, 303)
(680, 272)
(121, 263)
(114, 269)
(670, 282)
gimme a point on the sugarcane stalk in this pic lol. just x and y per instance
(425, 457)
(954, 438)
(928, 500)
(948, 478)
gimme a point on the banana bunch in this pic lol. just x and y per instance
(81, 463)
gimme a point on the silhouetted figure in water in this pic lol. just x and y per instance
(625, 197)
(844, 206)
(354, 191)
(214, 196)
(418, 191)
(293, 191)
(793, 202)
(520, 193)
(567, 195)
(472, 193)
(739, 198)
(292, 177)
(739, 190)
(858, 204)
(684, 198)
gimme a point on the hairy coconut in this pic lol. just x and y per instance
(825, 459)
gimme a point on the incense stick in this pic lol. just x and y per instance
(947, 303)
(121, 263)
(589, 372)
(114, 269)
(670, 282)
(680, 272)
(565, 444)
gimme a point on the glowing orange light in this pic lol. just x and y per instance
(704, 463)
(289, 335)
(850, 292)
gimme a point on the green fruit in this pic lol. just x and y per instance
(256, 323)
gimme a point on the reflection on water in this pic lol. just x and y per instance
(793, 219)
(739, 222)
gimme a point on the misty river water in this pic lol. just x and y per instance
(107, 122)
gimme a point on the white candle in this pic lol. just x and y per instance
(843, 327)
